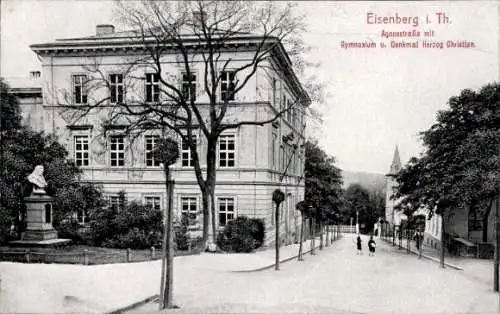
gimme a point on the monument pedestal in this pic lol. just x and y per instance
(39, 218)
(39, 229)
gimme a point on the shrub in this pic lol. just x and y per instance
(242, 234)
(181, 235)
(5, 224)
(72, 230)
(135, 226)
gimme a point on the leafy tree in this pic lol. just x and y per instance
(21, 153)
(21, 150)
(359, 202)
(163, 27)
(460, 168)
(323, 182)
(10, 112)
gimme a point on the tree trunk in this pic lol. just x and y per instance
(213, 215)
(206, 217)
(170, 249)
(327, 238)
(320, 235)
(420, 244)
(166, 284)
(485, 221)
(277, 237)
(443, 241)
(301, 239)
(211, 181)
(497, 246)
(313, 236)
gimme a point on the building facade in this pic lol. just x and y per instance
(251, 159)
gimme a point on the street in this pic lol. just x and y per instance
(337, 280)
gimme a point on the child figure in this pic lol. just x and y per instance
(371, 246)
(358, 244)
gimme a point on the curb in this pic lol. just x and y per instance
(134, 305)
(151, 298)
(272, 265)
(437, 260)
(432, 258)
(281, 261)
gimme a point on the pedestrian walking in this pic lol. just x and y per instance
(359, 247)
(371, 246)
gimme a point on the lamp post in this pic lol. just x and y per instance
(278, 198)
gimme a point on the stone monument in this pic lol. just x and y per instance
(38, 210)
(39, 213)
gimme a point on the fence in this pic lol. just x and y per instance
(347, 229)
(85, 257)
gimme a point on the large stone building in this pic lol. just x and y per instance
(250, 159)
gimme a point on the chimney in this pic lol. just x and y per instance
(104, 29)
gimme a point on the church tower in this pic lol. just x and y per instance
(390, 186)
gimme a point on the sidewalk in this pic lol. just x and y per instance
(478, 269)
(108, 288)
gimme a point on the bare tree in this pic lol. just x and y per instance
(201, 35)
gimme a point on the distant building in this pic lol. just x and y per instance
(392, 216)
(463, 225)
(250, 159)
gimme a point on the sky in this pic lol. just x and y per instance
(377, 97)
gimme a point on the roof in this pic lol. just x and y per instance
(396, 163)
(132, 41)
(25, 87)
(23, 82)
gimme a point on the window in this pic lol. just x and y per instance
(117, 201)
(82, 216)
(150, 143)
(81, 148)
(227, 85)
(153, 201)
(116, 88)
(189, 86)
(226, 151)
(114, 202)
(152, 87)
(117, 151)
(186, 156)
(226, 210)
(189, 209)
(79, 89)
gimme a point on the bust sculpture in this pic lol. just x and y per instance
(36, 178)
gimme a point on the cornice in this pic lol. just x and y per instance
(135, 45)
